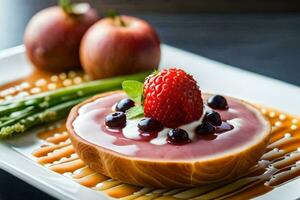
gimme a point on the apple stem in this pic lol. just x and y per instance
(74, 9)
(116, 17)
(66, 5)
(121, 21)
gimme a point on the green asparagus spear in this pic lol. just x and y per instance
(49, 115)
(17, 116)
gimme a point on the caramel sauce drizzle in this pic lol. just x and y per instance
(280, 163)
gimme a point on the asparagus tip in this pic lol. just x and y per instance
(9, 131)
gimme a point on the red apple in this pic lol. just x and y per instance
(52, 38)
(120, 45)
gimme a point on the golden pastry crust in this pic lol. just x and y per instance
(165, 173)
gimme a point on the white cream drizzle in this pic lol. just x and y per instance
(231, 110)
(131, 130)
(161, 138)
(236, 122)
(86, 123)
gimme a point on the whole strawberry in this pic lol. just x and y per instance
(172, 97)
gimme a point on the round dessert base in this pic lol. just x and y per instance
(167, 173)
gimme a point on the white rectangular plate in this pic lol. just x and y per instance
(212, 77)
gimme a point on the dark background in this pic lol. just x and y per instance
(259, 36)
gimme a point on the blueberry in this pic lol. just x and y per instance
(218, 102)
(213, 117)
(205, 128)
(124, 105)
(149, 124)
(178, 136)
(116, 120)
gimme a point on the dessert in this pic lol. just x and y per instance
(197, 149)
(260, 179)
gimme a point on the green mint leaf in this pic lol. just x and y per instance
(134, 112)
(134, 89)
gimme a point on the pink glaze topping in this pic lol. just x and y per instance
(249, 127)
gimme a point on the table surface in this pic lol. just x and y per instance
(265, 43)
